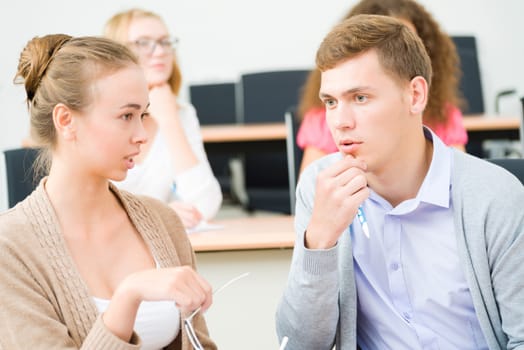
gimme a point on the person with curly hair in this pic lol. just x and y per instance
(442, 113)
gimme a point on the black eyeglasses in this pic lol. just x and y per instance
(146, 46)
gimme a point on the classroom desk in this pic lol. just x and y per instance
(232, 138)
(272, 136)
(243, 132)
(253, 232)
(243, 314)
(482, 127)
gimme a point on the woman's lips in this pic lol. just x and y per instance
(130, 163)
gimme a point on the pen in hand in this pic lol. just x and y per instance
(284, 343)
(363, 222)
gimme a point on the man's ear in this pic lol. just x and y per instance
(64, 122)
(419, 94)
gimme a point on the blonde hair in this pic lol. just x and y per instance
(58, 68)
(117, 28)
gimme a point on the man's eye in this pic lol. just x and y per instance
(361, 98)
(330, 103)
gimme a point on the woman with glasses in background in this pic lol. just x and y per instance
(173, 165)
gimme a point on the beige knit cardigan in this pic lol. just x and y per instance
(45, 304)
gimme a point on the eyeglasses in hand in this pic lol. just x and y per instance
(188, 326)
(146, 46)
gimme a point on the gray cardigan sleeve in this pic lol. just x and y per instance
(489, 215)
(308, 312)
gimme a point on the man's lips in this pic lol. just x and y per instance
(348, 145)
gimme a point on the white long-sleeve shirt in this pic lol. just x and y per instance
(157, 175)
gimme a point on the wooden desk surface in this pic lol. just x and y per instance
(481, 122)
(277, 131)
(243, 132)
(253, 232)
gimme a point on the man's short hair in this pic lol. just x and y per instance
(400, 51)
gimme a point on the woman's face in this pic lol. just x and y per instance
(109, 133)
(153, 45)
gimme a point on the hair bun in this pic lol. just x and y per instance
(35, 58)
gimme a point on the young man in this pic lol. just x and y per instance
(430, 239)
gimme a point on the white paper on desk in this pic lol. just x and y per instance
(203, 226)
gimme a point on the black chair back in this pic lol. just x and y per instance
(522, 128)
(215, 103)
(265, 98)
(470, 82)
(21, 180)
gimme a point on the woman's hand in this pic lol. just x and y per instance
(188, 213)
(162, 103)
(183, 285)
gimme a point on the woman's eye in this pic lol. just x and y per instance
(144, 115)
(127, 116)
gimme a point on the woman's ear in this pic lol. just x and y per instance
(64, 122)
(419, 94)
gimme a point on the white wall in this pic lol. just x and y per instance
(221, 39)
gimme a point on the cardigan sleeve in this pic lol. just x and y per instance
(308, 311)
(489, 218)
(30, 317)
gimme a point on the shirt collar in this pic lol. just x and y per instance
(435, 188)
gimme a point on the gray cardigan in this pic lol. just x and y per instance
(318, 308)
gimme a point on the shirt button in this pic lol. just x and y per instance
(394, 266)
(406, 315)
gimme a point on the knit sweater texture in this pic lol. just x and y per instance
(319, 307)
(45, 304)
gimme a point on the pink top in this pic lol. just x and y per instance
(314, 131)
(453, 132)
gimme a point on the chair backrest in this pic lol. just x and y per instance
(513, 165)
(264, 97)
(294, 154)
(470, 83)
(21, 180)
(522, 128)
(215, 103)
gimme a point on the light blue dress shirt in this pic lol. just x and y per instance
(411, 288)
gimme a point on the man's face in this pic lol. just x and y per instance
(367, 110)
